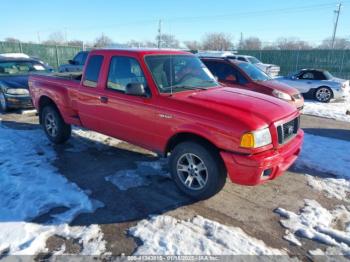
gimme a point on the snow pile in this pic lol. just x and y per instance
(126, 179)
(85, 137)
(335, 110)
(21, 238)
(319, 224)
(30, 186)
(331, 156)
(164, 235)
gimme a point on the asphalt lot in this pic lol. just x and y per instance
(250, 208)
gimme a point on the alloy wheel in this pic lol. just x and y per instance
(192, 171)
(51, 125)
(323, 94)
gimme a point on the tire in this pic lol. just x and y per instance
(54, 126)
(204, 178)
(3, 103)
(323, 94)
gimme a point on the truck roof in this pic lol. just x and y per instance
(141, 51)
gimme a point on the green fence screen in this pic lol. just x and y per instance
(51, 54)
(335, 61)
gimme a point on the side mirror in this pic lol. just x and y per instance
(135, 89)
(72, 62)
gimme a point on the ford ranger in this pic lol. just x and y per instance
(168, 102)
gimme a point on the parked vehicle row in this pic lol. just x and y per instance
(169, 102)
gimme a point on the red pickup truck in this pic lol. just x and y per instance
(168, 102)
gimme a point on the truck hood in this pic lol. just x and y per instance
(14, 81)
(242, 105)
(274, 84)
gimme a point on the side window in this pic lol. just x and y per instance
(123, 71)
(225, 72)
(319, 75)
(83, 59)
(242, 59)
(307, 76)
(78, 58)
(92, 71)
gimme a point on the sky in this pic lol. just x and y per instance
(188, 20)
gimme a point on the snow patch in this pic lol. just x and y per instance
(84, 138)
(335, 110)
(331, 156)
(30, 186)
(126, 179)
(319, 224)
(165, 235)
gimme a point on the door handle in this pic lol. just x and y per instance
(104, 99)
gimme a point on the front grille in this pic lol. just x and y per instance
(288, 130)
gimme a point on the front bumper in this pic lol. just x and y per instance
(16, 101)
(341, 93)
(256, 169)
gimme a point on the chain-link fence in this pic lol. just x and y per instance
(335, 61)
(51, 54)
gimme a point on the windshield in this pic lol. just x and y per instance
(10, 68)
(253, 60)
(175, 73)
(253, 72)
(327, 75)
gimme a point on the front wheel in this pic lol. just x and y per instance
(54, 126)
(197, 170)
(323, 94)
(3, 103)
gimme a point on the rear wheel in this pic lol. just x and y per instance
(197, 170)
(323, 94)
(3, 103)
(54, 126)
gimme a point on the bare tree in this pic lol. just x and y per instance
(292, 43)
(168, 41)
(102, 41)
(12, 40)
(217, 41)
(193, 45)
(339, 43)
(251, 43)
(55, 38)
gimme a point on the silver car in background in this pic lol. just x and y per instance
(318, 84)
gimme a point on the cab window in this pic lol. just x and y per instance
(123, 71)
(92, 71)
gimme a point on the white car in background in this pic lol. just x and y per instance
(318, 84)
(271, 70)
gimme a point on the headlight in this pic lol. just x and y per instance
(281, 95)
(17, 91)
(256, 138)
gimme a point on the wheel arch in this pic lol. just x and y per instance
(188, 136)
(44, 101)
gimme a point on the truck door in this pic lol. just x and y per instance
(125, 116)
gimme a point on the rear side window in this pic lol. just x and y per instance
(92, 71)
(225, 72)
(123, 71)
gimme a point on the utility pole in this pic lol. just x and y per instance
(160, 34)
(337, 12)
(38, 34)
(241, 42)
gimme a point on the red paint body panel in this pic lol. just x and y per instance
(220, 115)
